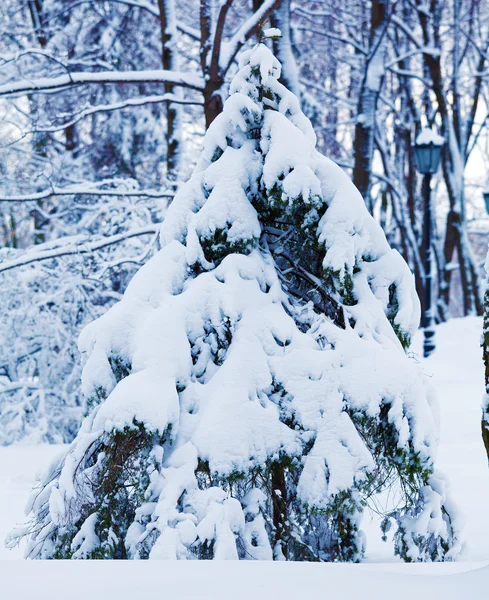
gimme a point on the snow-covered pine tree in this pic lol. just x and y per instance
(251, 391)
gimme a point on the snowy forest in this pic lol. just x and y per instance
(244, 310)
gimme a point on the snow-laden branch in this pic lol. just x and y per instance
(76, 246)
(412, 75)
(143, 4)
(249, 27)
(65, 63)
(334, 36)
(86, 190)
(117, 106)
(435, 52)
(46, 84)
(182, 27)
(406, 30)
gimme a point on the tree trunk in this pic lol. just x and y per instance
(170, 63)
(282, 48)
(367, 105)
(213, 102)
(280, 518)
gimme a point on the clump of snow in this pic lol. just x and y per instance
(272, 33)
(429, 136)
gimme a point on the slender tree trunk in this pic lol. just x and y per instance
(283, 50)
(36, 10)
(213, 101)
(211, 36)
(280, 517)
(38, 20)
(169, 61)
(367, 105)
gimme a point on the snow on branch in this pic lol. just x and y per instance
(67, 80)
(140, 4)
(84, 189)
(406, 30)
(435, 52)
(117, 106)
(335, 36)
(182, 27)
(76, 246)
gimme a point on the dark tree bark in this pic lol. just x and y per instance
(169, 62)
(214, 66)
(280, 516)
(367, 104)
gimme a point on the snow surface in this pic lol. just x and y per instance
(239, 580)
(455, 370)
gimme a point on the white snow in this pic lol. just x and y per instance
(429, 136)
(272, 32)
(239, 580)
(158, 75)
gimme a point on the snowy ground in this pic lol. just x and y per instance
(244, 580)
(456, 372)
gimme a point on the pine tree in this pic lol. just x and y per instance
(251, 390)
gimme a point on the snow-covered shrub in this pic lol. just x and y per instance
(46, 304)
(251, 391)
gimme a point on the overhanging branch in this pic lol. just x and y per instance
(61, 82)
(77, 247)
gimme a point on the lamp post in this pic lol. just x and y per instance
(485, 195)
(427, 154)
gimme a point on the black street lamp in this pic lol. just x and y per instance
(427, 154)
(485, 195)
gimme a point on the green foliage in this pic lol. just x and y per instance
(218, 152)
(341, 283)
(392, 310)
(218, 246)
(430, 548)
(392, 459)
(95, 399)
(119, 465)
(339, 519)
(121, 369)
